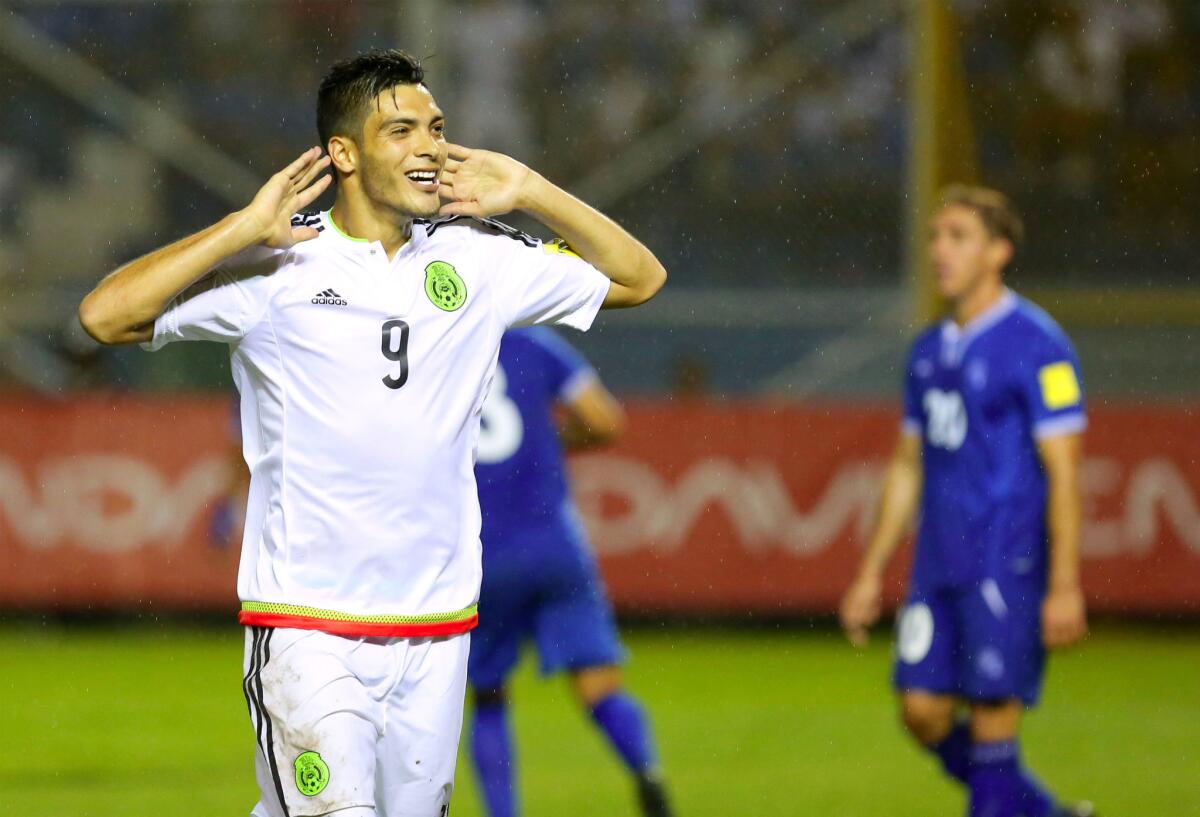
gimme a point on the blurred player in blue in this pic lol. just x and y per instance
(990, 452)
(540, 580)
(229, 507)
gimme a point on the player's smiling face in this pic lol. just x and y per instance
(962, 251)
(403, 151)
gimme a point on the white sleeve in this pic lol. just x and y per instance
(545, 283)
(222, 306)
(576, 384)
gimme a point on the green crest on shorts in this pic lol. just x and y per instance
(312, 775)
(444, 286)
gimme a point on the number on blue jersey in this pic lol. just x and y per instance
(501, 429)
(947, 419)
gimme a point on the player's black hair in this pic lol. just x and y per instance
(351, 85)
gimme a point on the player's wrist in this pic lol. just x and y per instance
(246, 229)
(534, 194)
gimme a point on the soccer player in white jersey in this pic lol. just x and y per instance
(363, 342)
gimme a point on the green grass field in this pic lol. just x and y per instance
(149, 721)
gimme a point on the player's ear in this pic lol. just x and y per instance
(1002, 252)
(343, 153)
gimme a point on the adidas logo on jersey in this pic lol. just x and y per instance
(329, 297)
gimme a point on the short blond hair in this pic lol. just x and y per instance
(994, 209)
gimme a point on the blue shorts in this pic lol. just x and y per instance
(546, 587)
(982, 642)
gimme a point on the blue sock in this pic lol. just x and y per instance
(954, 751)
(1000, 787)
(625, 724)
(994, 780)
(492, 748)
(1034, 801)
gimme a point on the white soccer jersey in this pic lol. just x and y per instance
(362, 381)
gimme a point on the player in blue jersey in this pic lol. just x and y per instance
(229, 507)
(990, 451)
(540, 580)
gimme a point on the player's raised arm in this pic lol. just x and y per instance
(593, 418)
(482, 183)
(1064, 616)
(901, 491)
(122, 308)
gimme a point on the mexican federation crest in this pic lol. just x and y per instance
(444, 287)
(312, 775)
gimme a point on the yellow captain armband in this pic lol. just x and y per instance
(1060, 387)
(560, 247)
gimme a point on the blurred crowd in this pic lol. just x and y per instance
(1084, 109)
(566, 83)
(1089, 111)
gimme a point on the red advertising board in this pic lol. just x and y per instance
(105, 502)
(766, 508)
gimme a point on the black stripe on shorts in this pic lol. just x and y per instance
(247, 689)
(266, 718)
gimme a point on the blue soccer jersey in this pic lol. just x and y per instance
(981, 396)
(519, 464)
(540, 580)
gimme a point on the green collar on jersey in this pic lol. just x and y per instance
(342, 233)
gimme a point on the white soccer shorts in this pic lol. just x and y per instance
(354, 722)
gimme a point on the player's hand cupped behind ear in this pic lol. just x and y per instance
(286, 193)
(481, 183)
